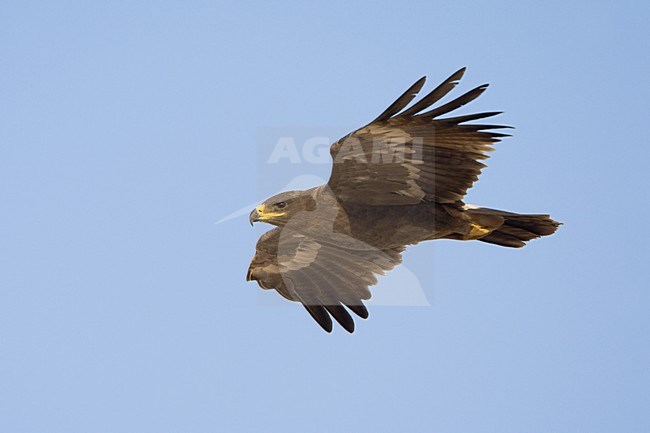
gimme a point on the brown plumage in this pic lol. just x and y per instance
(397, 181)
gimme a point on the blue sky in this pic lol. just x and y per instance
(127, 129)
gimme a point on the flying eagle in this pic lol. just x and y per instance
(397, 181)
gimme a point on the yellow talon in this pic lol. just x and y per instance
(477, 231)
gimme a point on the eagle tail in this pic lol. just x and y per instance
(515, 229)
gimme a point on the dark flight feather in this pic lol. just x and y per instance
(455, 104)
(402, 101)
(436, 94)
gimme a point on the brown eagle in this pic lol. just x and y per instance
(397, 181)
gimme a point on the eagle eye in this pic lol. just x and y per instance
(280, 204)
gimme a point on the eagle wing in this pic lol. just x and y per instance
(404, 157)
(321, 276)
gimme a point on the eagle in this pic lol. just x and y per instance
(398, 181)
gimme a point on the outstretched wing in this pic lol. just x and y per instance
(321, 276)
(404, 157)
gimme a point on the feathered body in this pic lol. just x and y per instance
(398, 181)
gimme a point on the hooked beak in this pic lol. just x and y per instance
(262, 213)
(256, 214)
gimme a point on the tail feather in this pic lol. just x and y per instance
(516, 229)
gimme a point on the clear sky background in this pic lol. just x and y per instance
(128, 128)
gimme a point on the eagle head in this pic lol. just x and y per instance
(280, 208)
